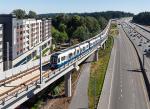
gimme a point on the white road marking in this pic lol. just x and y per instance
(121, 95)
(112, 79)
(132, 81)
(121, 85)
(145, 94)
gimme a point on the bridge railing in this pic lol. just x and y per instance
(25, 67)
(48, 76)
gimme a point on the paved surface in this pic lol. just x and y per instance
(143, 48)
(105, 94)
(18, 81)
(127, 90)
(80, 97)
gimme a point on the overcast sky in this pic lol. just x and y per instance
(65, 6)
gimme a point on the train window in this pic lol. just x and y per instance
(70, 55)
(77, 51)
(63, 58)
(58, 60)
(83, 48)
(53, 59)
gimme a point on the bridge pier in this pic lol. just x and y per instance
(68, 85)
(96, 55)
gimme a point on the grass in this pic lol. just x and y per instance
(98, 70)
(45, 51)
(97, 74)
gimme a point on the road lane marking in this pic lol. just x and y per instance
(114, 63)
(121, 95)
(121, 85)
(141, 79)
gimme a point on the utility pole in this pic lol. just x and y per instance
(7, 55)
(41, 76)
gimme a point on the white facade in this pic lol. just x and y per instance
(28, 35)
(1, 47)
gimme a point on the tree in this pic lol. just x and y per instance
(20, 14)
(142, 18)
(55, 35)
(102, 22)
(81, 33)
(59, 37)
(92, 25)
(62, 27)
(32, 14)
(63, 37)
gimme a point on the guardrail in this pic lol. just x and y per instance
(22, 92)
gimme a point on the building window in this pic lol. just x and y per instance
(21, 32)
(21, 26)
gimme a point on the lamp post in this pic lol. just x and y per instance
(41, 76)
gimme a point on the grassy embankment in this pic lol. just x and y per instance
(98, 69)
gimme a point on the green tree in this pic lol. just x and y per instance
(55, 35)
(102, 22)
(81, 33)
(62, 27)
(20, 14)
(142, 18)
(32, 14)
(92, 25)
(59, 37)
(63, 37)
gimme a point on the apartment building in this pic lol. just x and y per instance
(24, 36)
(1, 47)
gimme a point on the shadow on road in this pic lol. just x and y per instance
(141, 67)
(136, 70)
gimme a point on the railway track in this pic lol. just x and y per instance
(23, 85)
(19, 75)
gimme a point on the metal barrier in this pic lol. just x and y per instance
(22, 92)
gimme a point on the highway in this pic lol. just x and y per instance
(128, 90)
(141, 40)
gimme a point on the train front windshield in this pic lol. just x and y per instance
(54, 59)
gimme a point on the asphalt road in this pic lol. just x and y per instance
(142, 49)
(128, 89)
(80, 97)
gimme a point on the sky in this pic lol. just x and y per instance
(71, 6)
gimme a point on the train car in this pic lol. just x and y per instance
(60, 58)
(97, 40)
(92, 42)
(84, 47)
(77, 51)
(102, 36)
